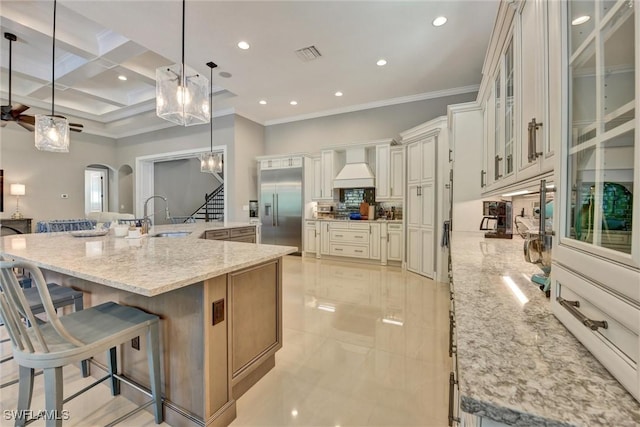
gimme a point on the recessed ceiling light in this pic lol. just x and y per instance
(381, 62)
(294, 103)
(338, 93)
(262, 102)
(580, 20)
(123, 78)
(439, 21)
(243, 45)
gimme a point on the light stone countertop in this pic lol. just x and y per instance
(356, 220)
(147, 266)
(517, 363)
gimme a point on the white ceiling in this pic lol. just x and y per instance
(98, 40)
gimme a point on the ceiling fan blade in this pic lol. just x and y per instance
(25, 118)
(18, 109)
(27, 126)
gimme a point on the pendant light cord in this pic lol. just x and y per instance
(53, 58)
(182, 71)
(211, 106)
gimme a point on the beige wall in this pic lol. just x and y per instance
(48, 175)
(243, 186)
(310, 136)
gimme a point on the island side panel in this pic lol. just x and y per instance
(181, 341)
(217, 384)
(256, 322)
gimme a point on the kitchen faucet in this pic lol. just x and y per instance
(146, 221)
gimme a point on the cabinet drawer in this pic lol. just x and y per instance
(245, 239)
(581, 306)
(310, 224)
(339, 225)
(359, 226)
(244, 231)
(217, 234)
(397, 227)
(349, 236)
(348, 250)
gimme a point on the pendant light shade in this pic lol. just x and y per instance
(52, 132)
(181, 93)
(211, 162)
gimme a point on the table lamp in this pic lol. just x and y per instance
(17, 190)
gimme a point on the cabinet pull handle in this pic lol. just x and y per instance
(450, 155)
(572, 307)
(533, 144)
(358, 250)
(360, 237)
(496, 168)
(483, 174)
(338, 249)
(339, 235)
(452, 383)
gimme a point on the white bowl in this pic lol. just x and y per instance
(121, 231)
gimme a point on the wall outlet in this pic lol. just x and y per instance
(64, 196)
(135, 343)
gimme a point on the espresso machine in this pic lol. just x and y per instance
(497, 220)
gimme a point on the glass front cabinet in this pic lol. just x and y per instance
(596, 268)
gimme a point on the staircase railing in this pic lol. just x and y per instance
(213, 207)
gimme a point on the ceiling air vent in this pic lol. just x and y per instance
(308, 53)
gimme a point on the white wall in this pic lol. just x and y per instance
(48, 175)
(312, 135)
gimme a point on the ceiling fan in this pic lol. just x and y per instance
(13, 113)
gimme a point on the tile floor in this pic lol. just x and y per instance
(364, 345)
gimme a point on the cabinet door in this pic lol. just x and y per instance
(295, 162)
(414, 162)
(325, 247)
(317, 179)
(382, 172)
(394, 245)
(427, 203)
(489, 153)
(271, 164)
(327, 174)
(396, 185)
(310, 238)
(414, 250)
(414, 205)
(374, 241)
(428, 162)
(532, 88)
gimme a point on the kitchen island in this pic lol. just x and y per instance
(220, 304)
(514, 362)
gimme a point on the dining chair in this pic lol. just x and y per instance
(68, 339)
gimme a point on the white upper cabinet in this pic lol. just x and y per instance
(317, 179)
(535, 154)
(515, 98)
(330, 166)
(396, 189)
(389, 172)
(281, 163)
(383, 169)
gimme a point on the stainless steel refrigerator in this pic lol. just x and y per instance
(281, 207)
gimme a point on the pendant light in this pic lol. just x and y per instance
(181, 93)
(211, 162)
(52, 132)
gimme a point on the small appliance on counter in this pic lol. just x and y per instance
(325, 211)
(497, 220)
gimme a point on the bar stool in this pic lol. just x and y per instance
(60, 296)
(69, 339)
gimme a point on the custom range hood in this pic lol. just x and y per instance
(356, 172)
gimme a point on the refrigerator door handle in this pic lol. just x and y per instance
(274, 212)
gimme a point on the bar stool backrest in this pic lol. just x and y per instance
(14, 307)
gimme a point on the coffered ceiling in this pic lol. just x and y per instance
(98, 41)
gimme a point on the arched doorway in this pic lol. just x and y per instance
(125, 189)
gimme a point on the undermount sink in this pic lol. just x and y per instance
(172, 234)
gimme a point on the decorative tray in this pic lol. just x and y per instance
(89, 233)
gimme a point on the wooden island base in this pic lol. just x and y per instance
(206, 367)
